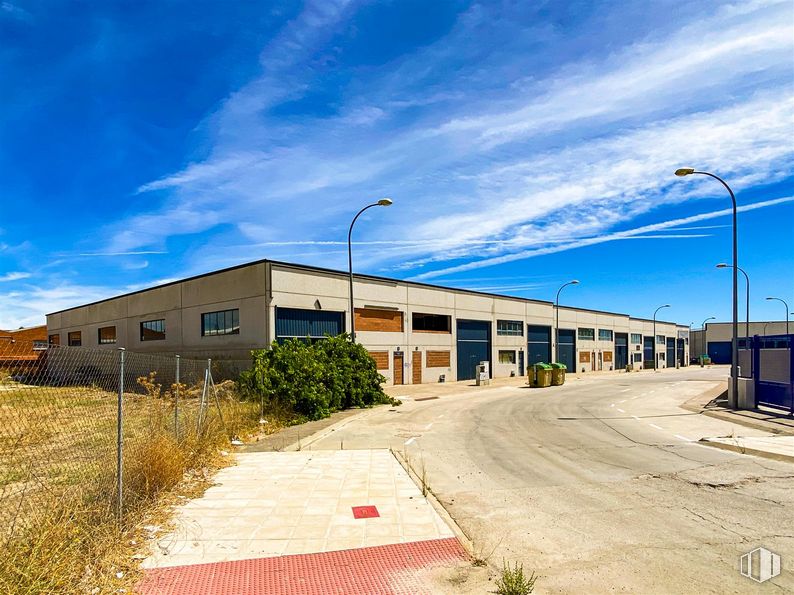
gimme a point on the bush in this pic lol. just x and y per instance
(316, 379)
(513, 581)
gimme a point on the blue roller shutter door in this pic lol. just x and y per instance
(567, 347)
(474, 346)
(538, 344)
(314, 324)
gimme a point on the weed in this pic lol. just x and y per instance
(513, 581)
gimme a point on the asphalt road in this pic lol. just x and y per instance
(598, 486)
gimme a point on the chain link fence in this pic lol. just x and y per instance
(103, 426)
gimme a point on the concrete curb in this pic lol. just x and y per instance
(464, 539)
(747, 451)
(698, 404)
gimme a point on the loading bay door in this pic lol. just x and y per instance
(474, 346)
(621, 350)
(296, 323)
(670, 352)
(538, 344)
(567, 347)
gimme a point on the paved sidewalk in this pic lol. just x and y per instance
(780, 448)
(277, 503)
(714, 404)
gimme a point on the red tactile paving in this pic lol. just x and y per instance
(365, 512)
(381, 570)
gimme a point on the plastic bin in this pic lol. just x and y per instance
(542, 375)
(558, 374)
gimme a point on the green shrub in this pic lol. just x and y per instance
(316, 379)
(513, 581)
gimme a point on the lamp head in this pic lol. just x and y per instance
(666, 306)
(684, 171)
(385, 202)
(575, 282)
(771, 298)
(723, 265)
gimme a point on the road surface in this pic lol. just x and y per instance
(598, 486)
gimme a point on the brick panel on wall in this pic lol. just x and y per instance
(384, 321)
(438, 359)
(607, 356)
(584, 357)
(381, 359)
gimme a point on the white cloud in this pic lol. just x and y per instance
(620, 235)
(13, 276)
(492, 168)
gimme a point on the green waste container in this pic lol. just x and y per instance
(542, 373)
(558, 374)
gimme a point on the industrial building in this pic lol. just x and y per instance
(415, 332)
(714, 339)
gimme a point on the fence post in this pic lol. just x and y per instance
(176, 401)
(120, 438)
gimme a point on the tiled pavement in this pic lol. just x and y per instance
(280, 503)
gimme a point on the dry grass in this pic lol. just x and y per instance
(58, 526)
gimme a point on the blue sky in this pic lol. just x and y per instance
(523, 143)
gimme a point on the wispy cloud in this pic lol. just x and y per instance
(13, 276)
(620, 235)
(493, 163)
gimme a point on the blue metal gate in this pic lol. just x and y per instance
(474, 346)
(773, 371)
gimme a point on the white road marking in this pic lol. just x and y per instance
(625, 390)
(680, 437)
(407, 442)
(655, 426)
(623, 401)
(430, 425)
(621, 410)
(635, 417)
(612, 405)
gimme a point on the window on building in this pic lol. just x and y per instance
(637, 358)
(225, 322)
(604, 334)
(153, 330)
(54, 339)
(511, 328)
(431, 323)
(40, 345)
(106, 335)
(636, 338)
(75, 339)
(507, 357)
(586, 334)
(661, 356)
(660, 339)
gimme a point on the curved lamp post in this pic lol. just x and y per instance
(724, 265)
(785, 304)
(655, 360)
(383, 202)
(557, 321)
(734, 394)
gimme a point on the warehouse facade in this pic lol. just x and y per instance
(414, 331)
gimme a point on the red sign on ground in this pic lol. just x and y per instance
(365, 512)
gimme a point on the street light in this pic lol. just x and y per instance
(734, 395)
(724, 265)
(557, 321)
(383, 202)
(655, 361)
(785, 304)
